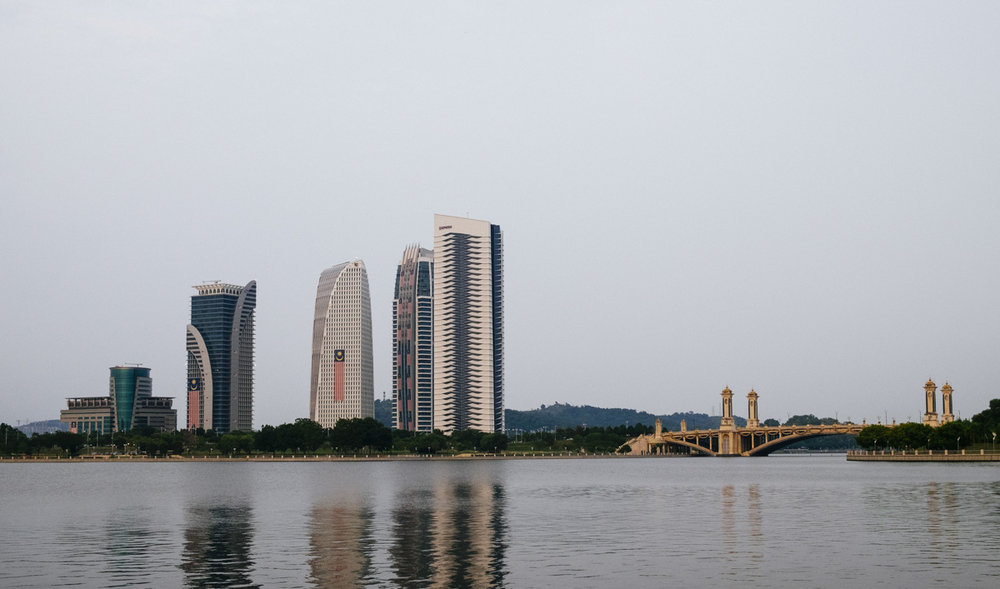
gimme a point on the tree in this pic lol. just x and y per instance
(989, 420)
(953, 435)
(771, 423)
(910, 435)
(873, 437)
(14, 441)
(236, 442)
(467, 439)
(355, 434)
(431, 443)
(266, 440)
(494, 442)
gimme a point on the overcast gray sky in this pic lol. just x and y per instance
(800, 197)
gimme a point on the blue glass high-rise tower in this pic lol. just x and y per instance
(220, 342)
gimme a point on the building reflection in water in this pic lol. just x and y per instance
(341, 543)
(452, 535)
(743, 550)
(217, 546)
(444, 532)
(132, 545)
(755, 520)
(941, 507)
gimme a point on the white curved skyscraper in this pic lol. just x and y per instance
(468, 325)
(341, 383)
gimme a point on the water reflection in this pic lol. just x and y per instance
(743, 550)
(341, 543)
(452, 535)
(217, 546)
(132, 545)
(755, 520)
(411, 551)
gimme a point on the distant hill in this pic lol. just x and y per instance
(562, 415)
(383, 412)
(43, 427)
(550, 417)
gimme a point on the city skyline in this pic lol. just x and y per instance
(798, 200)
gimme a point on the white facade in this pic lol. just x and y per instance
(468, 325)
(342, 324)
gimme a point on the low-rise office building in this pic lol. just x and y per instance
(129, 404)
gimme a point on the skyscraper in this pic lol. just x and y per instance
(220, 357)
(468, 325)
(341, 383)
(413, 341)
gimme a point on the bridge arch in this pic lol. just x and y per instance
(787, 440)
(690, 445)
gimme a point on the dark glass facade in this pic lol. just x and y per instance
(496, 258)
(223, 316)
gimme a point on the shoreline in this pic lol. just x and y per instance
(916, 456)
(307, 458)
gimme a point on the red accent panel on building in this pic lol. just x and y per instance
(193, 409)
(338, 380)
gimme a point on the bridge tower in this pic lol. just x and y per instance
(947, 415)
(931, 416)
(752, 421)
(727, 410)
(727, 427)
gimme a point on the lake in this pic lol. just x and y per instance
(778, 521)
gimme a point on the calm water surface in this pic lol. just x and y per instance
(810, 521)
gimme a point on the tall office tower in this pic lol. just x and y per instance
(468, 325)
(413, 339)
(220, 357)
(341, 384)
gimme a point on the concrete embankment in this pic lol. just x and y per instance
(918, 456)
(124, 459)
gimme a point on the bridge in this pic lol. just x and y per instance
(730, 440)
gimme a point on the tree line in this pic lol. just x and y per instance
(960, 434)
(350, 436)
(305, 436)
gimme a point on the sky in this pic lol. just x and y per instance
(797, 197)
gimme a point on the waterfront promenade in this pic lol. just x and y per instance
(103, 458)
(921, 456)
